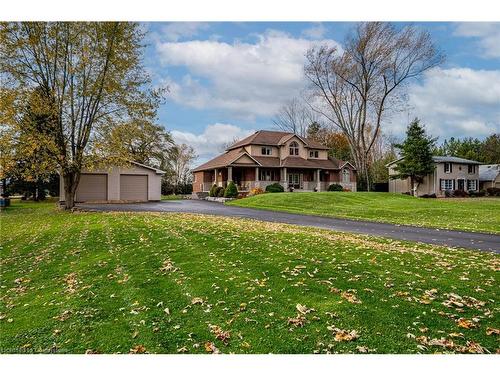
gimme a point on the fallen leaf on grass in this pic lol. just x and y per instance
(298, 321)
(220, 334)
(303, 309)
(492, 331)
(211, 348)
(138, 349)
(197, 301)
(344, 335)
(465, 323)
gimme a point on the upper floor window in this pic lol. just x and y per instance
(294, 148)
(448, 168)
(472, 168)
(267, 151)
(346, 175)
(314, 154)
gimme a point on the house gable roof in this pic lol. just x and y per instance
(274, 138)
(225, 159)
(442, 159)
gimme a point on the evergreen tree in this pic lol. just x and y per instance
(416, 151)
(231, 190)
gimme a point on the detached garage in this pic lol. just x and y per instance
(133, 183)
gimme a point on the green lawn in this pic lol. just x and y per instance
(171, 197)
(174, 283)
(470, 214)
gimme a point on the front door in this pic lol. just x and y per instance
(461, 184)
(294, 180)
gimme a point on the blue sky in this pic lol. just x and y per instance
(228, 79)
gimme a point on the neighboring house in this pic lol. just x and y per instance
(268, 157)
(451, 173)
(133, 183)
(489, 176)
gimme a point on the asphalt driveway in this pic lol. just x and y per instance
(450, 238)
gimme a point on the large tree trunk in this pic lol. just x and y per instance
(71, 180)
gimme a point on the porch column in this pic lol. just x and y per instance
(215, 177)
(256, 179)
(229, 174)
(285, 185)
(318, 182)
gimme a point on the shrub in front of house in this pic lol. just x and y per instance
(213, 191)
(493, 191)
(231, 190)
(335, 187)
(460, 193)
(428, 195)
(219, 192)
(275, 188)
(255, 191)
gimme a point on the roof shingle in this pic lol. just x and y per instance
(273, 138)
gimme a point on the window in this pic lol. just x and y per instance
(346, 175)
(471, 184)
(472, 169)
(447, 168)
(267, 151)
(294, 148)
(313, 154)
(446, 184)
(268, 175)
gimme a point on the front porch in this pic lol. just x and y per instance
(292, 179)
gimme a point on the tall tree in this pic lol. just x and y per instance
(87, 75)
(34, 167)
(416, 153)
(179, 165)
(295, 116)
(490, 149)
(138, 140)
(354, 88)
(468, 148)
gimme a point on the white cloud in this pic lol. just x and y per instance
(245, 79)
(455, 102)
(178, 30)
(317, 31)
(488, 34)
(212, 140)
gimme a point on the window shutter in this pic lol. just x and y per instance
(440, 184)
(451, 171)
(453, 183)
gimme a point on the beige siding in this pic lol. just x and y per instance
(256, 150)
(244, 159)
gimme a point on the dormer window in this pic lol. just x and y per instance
(294, 148)
(314, 154)
(267, 151)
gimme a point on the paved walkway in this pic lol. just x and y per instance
(451, 238)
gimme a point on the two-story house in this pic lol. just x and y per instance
(268, 157)
(451, 173)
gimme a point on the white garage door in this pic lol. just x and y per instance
(133, 187)
(92, 187)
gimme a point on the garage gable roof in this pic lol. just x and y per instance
(158, 171)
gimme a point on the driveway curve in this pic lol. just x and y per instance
(450, 238)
